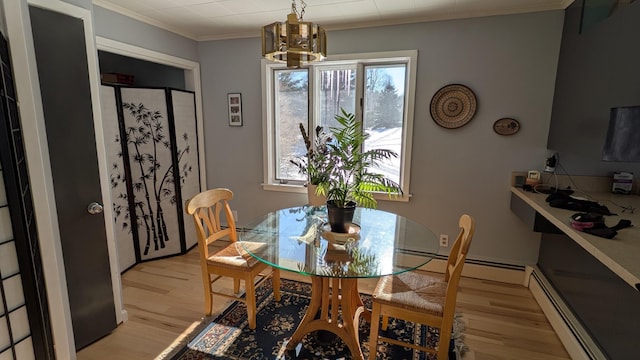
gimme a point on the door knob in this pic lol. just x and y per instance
(94, 208)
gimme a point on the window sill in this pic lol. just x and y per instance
(301, 189)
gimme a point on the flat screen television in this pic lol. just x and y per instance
(623, 136)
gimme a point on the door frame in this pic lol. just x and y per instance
(36, 147)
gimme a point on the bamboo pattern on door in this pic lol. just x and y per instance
(156, 167)
(156, 185)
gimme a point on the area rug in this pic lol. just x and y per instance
(228, 335)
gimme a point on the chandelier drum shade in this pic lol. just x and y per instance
(295, 41)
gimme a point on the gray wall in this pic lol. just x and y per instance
(80, 3)
(508, 61)
(598, 69)
(114, 26)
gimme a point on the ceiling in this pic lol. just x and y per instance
(225, 19)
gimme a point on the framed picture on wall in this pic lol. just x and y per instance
(235, 109)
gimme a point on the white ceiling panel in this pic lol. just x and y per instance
(256, 6)
(402, 5)
(331, 13)
(198, 2)
(211, 10)
(221, 19)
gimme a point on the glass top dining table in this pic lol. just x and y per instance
(298, 239)
(380, 243)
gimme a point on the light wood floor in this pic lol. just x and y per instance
(164, 299)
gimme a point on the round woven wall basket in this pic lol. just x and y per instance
(453, 106)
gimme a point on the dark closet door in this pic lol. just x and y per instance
(64, 84)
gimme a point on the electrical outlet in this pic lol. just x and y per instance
(444, 240)
(235, 215)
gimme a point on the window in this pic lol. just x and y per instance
(378, 88)
(291, 106)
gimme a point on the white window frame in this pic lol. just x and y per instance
(409, 57)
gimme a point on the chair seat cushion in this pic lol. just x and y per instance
(234, 256)
(412, 291)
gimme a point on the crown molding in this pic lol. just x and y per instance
(145, 19)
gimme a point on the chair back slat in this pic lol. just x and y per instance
(456, 260)
(460, 247)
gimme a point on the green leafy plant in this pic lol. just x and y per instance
(352, 177)
(316, 164)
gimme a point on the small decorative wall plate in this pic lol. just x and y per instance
(506, 126)
(453, 106)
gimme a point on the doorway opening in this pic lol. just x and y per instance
(153, 69)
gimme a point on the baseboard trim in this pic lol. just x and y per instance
(572, 334)
(124, 315)
(481, 271)
(478, 269)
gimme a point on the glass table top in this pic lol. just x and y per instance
(298, 239)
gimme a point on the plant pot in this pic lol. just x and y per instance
(313, 198)
(340, 218)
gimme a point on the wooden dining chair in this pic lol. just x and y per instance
(421, 298)
(232, 260)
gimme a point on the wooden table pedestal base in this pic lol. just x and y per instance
(340, 308)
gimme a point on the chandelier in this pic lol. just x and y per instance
(295, 41)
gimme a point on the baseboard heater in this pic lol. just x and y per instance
(572, 334)
(445, 257)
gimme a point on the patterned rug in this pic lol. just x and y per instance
(229, 337)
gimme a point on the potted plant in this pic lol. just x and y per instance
(352, 181)
(316, 163)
